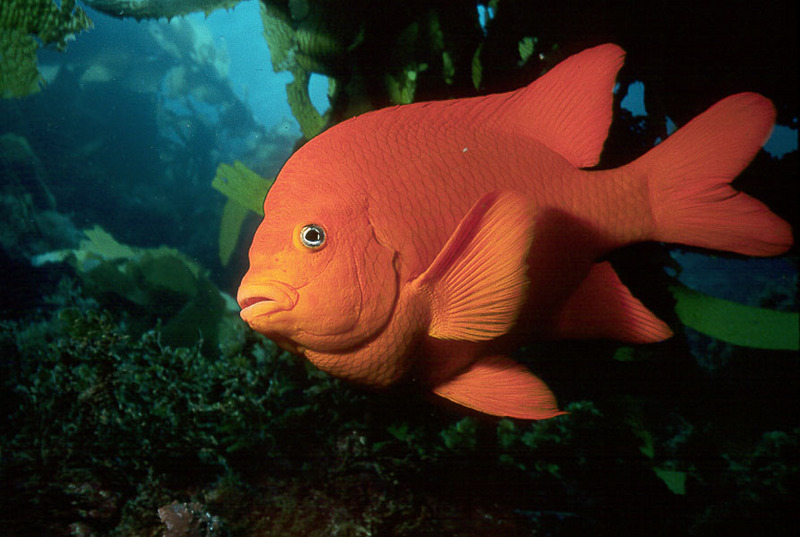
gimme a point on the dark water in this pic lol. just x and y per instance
(130, 385)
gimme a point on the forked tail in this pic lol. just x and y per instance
(688, 176)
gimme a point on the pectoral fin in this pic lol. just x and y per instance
(500, 386)
(477, 284)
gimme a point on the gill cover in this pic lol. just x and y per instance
(343, 279)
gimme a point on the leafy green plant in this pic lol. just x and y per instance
(90, 404)
(739, 324)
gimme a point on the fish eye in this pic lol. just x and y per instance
(312, 236)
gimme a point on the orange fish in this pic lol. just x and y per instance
(413, 243)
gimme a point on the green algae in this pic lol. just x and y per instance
(738, 324)
(25, 27)
(245, 191)
(149, 284)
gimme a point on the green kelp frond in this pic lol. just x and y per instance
(741, 325)
(150, 284)
(311, 121)
(242, 185)
(156, 9)
(99, 242)
(25, 25)
(526, 47)
(99, 245)
(230, 228)
(673, 479)
(477, 68)
(301, 48)
(245, 191)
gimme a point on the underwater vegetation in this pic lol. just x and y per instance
(109, 434)
(156, 285)
(136, 403)
(148, 9)
(27, 25)
(179, 118)
(736, 323)
(111, 430)
(245, 191)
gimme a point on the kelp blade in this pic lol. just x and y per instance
(735, 323)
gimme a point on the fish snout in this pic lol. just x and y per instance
(263, 298)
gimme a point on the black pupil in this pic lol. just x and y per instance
(313, 235)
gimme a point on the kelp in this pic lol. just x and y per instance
(242, 185)
(150, 285)
(245, 191)
(27, 25)
(300, 42)
(735, 323)
(233, 216)
(156, 9)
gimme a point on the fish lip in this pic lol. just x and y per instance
(265, 298)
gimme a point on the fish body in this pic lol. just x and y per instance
(414, 242)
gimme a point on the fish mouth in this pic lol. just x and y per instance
(258, 300)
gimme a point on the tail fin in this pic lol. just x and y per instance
(689, 173)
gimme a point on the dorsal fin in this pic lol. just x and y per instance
(569, 108)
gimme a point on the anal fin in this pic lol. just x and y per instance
(603, 307)
(499, 386)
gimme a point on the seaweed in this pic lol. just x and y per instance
(156, 9)
(149, 285)
(736, 323)
(111, 434)
(96, 409)
(245, 191)
(26, 26)
(122, 415)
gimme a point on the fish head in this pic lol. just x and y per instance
(319, 279)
